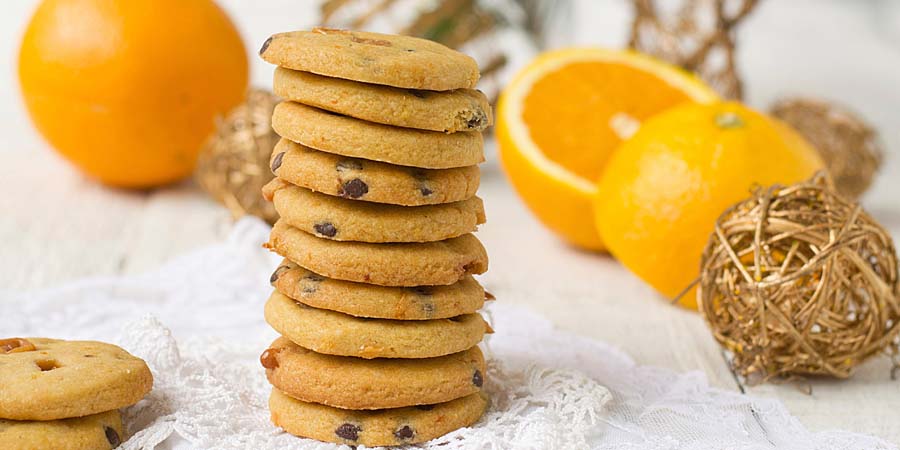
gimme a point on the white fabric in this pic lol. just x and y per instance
(198, 323)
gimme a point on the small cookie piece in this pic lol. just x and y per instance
(355, 383)
(336, 218)
(335, 333)
(448, 112)
(368, 300)
(391, 60)
(371, 181)
(101, 431)
(56, 379)
(343, 135)
(396, 264)
(385, 427)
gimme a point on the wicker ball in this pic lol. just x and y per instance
(234, 164)
(850, 147)
(798, 280)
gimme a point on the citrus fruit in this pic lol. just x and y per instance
(563, 115)
(661, 192)
(128, 90)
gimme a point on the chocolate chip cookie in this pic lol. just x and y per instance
(355, 383)
(372, 181)
(336, 218)
(397, 264)
(334, 333)
(48, 379)
(385, 427)
(101, 431)
(448, 112)
(391, 60)
(367, 300)
(347, 136)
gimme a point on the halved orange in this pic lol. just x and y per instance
(562, 116)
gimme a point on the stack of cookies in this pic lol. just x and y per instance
(66, 394)
(376, 175)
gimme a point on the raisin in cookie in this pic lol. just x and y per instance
(355, 383)
(371, 181)
(391, 60)
(448, 112)
(102, 431)
(395, 264)
(336, 218)
(385, 427)
(347, 136)
(48, 379)
(334, 333)
(368, 300)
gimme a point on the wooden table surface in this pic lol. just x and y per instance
(57, 226)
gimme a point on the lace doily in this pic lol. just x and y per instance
(198, 323)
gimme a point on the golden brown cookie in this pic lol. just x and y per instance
(347, 136)
(101, 431)
(368, 300)
(391, 60)
(334, 333)
(371, 181)
(397, 264)
(355, 383)
(385, 427)
(48, 379)
(448, 112)
(336, 218)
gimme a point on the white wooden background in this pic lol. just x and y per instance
(57, 226)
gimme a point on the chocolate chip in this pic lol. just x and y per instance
(310, 283)
(314, 277)
(417, 93)
(428, 308)
(477, 380)
(424, 291)
(419, 175)
(410, 50)
(425, 407)
(354, 188)
(326, 229)
(349, 164)
(276, 162)
(269, 358)
(277, 273)
(112, 436)
(348, 431)
(405, 433)
(477, 120)
(425, 191)
(265, 45)
(455, 319)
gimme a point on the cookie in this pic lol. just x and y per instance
(334, 333)
(448, 112)
(355, 383)
(391, 60)
(371, 181)
(102, 431)
(381, 302)
(347, 136)
(397, 264)
(386, 427)
(336, 218)
(48, 379)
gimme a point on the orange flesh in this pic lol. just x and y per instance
(576, 103)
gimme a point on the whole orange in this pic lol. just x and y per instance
(129, 90)
(662, 190)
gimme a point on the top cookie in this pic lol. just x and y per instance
(391, 60)
(47, 379)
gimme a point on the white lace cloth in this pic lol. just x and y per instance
(198, 323)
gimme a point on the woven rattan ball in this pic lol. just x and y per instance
(234, 164)
(798, 280)
(850, 147)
